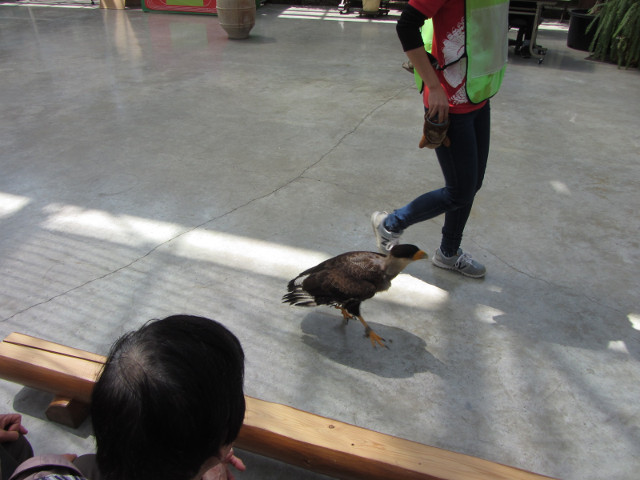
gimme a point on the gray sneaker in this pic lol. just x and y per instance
(461, 262)
(385, 239)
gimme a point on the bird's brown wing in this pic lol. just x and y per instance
(365, 266)
(353, 275)
(332, 287)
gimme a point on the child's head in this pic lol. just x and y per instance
(169, 398)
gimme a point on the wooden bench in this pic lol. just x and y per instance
(284, 433)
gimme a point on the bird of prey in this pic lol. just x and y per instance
(347, 280)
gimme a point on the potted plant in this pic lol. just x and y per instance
(581, 32)
(616, 36)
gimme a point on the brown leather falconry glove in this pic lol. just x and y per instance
(434, 134)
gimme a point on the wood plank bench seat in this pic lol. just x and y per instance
(284, 433)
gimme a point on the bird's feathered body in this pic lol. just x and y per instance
(345, 281)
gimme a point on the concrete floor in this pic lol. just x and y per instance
(150, 166)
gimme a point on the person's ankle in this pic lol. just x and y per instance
(447, 253)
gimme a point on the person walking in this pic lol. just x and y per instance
(462, 71)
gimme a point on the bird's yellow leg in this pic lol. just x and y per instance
(346, 315)
(373, 336)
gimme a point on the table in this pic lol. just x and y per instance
(526, 15)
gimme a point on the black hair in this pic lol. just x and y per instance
(169, 397)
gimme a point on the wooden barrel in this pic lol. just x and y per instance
(370, 6)
(237, 17)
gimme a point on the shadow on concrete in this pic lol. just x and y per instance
(34, 403)
(405, 356)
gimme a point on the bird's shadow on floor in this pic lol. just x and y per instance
(405, 356)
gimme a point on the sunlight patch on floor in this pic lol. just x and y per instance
(554, 27)
(49, 4)
(232, 251)
(10, 204)
(618, 346)
(487, 314)
(301, 13)
(121, 229)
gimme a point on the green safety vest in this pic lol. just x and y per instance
(486, 44)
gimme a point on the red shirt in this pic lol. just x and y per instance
(448, 46)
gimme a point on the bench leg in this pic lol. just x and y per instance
(67, 411)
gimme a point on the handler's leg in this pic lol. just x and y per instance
(463, 165)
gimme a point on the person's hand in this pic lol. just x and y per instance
(222, 471)
(11, 427)
(438, 105)
(438, 100)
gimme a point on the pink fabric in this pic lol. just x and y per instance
(43, 465)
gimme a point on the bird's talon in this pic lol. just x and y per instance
(346, 315)
(375, 338)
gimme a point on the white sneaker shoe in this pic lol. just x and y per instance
(385, 239)
(461, 262)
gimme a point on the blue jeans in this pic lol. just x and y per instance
(463, 165)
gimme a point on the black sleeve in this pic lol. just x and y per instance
(408, 28)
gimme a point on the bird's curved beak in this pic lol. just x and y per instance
(420, 255)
